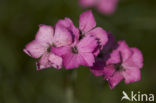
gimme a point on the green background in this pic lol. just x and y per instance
(133, 21)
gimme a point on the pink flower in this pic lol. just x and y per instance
(123, 63)
(77, 54)
(87, 3)
(86, 38)
(107, 7)
(87, 26)
(104, 6)
(40, 48)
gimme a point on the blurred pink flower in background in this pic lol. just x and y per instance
(106, 7)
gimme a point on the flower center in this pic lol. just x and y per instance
(74, 50)
(49, 49)
(81, 35)
(119, 67)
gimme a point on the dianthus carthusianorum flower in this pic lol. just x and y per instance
(124, 63)
(45, 39)
(86, 41)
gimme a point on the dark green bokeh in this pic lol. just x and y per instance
(133, 21)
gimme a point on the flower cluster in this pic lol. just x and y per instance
(106, 7)
(68, 46)
(65, 45)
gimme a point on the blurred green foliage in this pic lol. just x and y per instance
(133, 21)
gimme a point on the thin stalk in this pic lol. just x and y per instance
(69, 84)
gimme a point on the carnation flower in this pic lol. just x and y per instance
(86, 41)
(77, 54)
(40, 48)
(123, 63)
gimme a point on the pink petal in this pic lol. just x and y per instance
(87, 3)
(126, 52)
(35, 49)
(107, 6)
(135, 61)
(87, 44)
(110, 43)
(131, 75)
(56, 61)
(137, 57)
(68, 24)
(97, 71)
(87, 21)
(45, 34)
(72, 61)
(115, 79)
(88, 58)
(114, 58)
(96, 51)
(49, 60)
(44, 62)
(60, 51)
(98, 67)
(62, 36)
(100, 34)
(108, 71)
(120, 54)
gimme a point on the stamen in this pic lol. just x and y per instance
(48, 49)
(119, 67)
(74, 50)
(81, 37)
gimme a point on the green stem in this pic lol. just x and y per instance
(69, 95)
(69, 82)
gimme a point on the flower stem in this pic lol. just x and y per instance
(69, 84)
